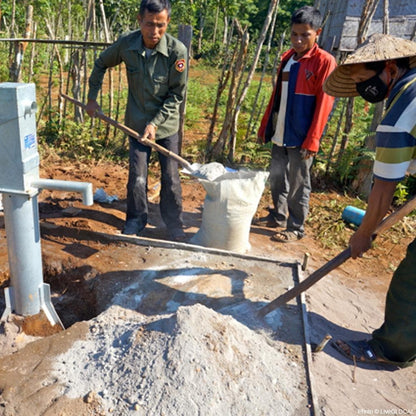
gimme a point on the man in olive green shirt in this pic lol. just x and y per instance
(156, 65)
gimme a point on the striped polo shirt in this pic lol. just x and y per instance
(396, 134)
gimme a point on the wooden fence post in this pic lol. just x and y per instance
(109, 73)
(20, 47)
(185, 36)
(263, 73)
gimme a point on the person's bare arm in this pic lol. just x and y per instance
(379, 203)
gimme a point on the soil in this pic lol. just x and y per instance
(147, 326)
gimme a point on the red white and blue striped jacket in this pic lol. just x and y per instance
(308, 107)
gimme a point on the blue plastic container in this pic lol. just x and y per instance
(353, 215)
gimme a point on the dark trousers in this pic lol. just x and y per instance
(396, 338)
(290, 184)
(171, 191)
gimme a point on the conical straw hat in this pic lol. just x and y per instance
(377, 47)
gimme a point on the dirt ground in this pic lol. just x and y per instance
(348, 303)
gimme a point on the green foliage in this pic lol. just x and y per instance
(286, 8)
(410, 183)
(401, 193)
(344, 165)
(4, 70)
(326, 220)
(78, 140)
(209, 16)
(121, 15)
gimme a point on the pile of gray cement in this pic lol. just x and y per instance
(192, 362)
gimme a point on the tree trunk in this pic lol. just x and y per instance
(235, 100)
(276, 60)
(185, 36)
(370, 142)
(347, 128)
(217, 13)
(263, 73)
(335, 138)
(76, 75)
(201, 31)
(219, 146)
(386, 27)
(61, 73)
(227, 32)
(362, 183)
(273, 5)
(241, 64)
(228, 63)
(20, 48)
(11, 45)
(110, 75)
(32, 53)
(367, 14)
(83, 64)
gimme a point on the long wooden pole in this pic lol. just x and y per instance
(184, 163)
(56, 41)
(336, 261)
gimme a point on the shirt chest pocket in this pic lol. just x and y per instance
(160, 84)
(134, 77)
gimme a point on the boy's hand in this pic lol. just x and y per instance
(306, 154)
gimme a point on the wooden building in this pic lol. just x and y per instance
(342, 19)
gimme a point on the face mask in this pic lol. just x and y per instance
(372, 90)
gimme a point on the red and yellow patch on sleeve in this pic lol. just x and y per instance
(180, 65)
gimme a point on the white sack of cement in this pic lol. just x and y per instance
(209, 171)
(230, 204)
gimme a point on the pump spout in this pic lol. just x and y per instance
(85, 188)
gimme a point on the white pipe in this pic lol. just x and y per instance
(83, 187)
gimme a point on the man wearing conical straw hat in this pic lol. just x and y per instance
(385, 67)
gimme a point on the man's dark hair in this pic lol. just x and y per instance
(378, 66)
(307, 15)
(154, 6)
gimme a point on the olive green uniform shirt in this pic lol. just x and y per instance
(157, 83)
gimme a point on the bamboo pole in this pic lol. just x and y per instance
(185, 36)
(228, 63)
(61, 73)
(119, 88)
(277, 59)
(56, 41)
(274, 4)
(349, 113)
(20, 47)
(109, 74)
(237, 69)
(263, 73)
(12, 34)
(369, 8)
(32, 53)
(386, 26)
(335, 139)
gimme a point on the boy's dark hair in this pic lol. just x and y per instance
(154, 6)
(378, 66)
(307, 15)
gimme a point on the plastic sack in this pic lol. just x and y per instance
(101, 196)
(230, 204)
